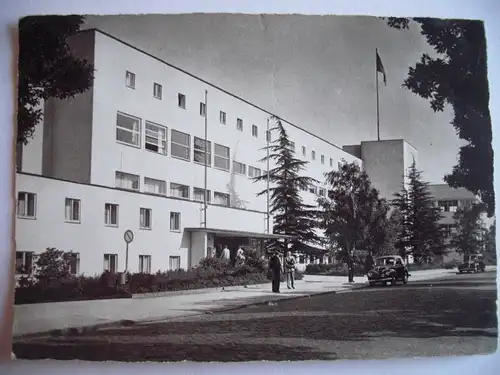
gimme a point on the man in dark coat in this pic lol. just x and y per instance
(369, 263)
(350, 266)
(275, 268)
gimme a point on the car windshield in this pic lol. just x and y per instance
(385, 261)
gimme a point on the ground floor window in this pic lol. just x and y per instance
(145, 263)
(175, 263)
(74, 263)
(24, 262)
(111, 262)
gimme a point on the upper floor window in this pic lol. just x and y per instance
(156, 138)
(313, 155)
(26, 205)
(322, 159)
(155, 186)
(448, 205)
(175, 221)
(180, 145)
(202, 151)
(128, 129)
(331, 162)
(145, 218)
(322, 192)
(222, 117)
(239, 124)
(179, 191)
(198, 194)
(268, 136)
(222, 199)
(126, 181)
(239, 168)
(111, 214)
(292, 146)
(157, 91)
(130, 79)
(304, 151)
(203, 109)
(181, 101)
(221, 157)
(72, 210)
(253, 172)
(255, 131)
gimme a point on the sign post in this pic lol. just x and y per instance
(128, 236)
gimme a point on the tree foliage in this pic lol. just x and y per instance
(291, 215)
(458, 77)
(468, 237)
(353, 216)
(53, 265)
(47, 68)
(490, 247)
(420, 233)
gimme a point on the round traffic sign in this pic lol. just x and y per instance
(128, 236)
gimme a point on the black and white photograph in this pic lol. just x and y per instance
(253, 187)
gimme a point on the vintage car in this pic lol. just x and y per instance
(472, 263)
(388, 269)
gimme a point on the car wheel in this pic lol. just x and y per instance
(371, 283)
(405, 279)
(460, 271)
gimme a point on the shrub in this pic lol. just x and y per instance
(53, 265)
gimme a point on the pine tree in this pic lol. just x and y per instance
(291, 215)
(353, 216)
(468, 237)
(421, 234)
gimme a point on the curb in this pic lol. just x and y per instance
(76, 331)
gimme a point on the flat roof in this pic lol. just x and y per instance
(238, 233)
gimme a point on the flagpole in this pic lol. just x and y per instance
(376, 84)
(267, 192)
(206, 163)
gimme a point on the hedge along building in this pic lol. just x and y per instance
(129, 154)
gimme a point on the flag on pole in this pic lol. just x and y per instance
(380, 68)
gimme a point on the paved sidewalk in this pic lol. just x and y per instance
(36, 318)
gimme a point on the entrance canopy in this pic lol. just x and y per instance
(237, 233)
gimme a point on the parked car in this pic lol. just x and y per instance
(472, 263)
(388, 269)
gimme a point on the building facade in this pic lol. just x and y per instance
(129, 154)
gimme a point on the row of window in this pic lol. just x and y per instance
(453, 204)
(25, 261)
(26, 209)
(181, 103)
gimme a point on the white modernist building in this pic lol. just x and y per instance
(128, 154)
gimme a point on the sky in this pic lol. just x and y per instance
(317, 72)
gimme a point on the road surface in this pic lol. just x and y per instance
(455, 315)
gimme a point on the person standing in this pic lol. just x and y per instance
(350, 266)
(275, 268)
(225, 254)
(290, 270)
(240, 257)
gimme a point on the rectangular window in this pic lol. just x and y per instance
(253, 172)
(181, 101)
(322, 192)
(322, 159)
(26, 205)
(175, 221)
(222, 117)
(331, 162)
(74, 263)
(221, 157)
(179, 191)
(156, 138)
(72, 210)
(292, 146)
(304, 151)
(128, 129)
(448, 205)
(111, 214)
(126, 181)
(313, 190)
(201, 149)
(175, 263)
(313, 155)
(198, 195)
(153, 186)
(239, 124)
(203, 109)
(144, 263)
(130, 79)
(221, 199)
(239, 168)
(145, 218)
(157, 91)
(24, 262)
(268, 136)
(111, 262)
(255, 131)
(180, 145)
